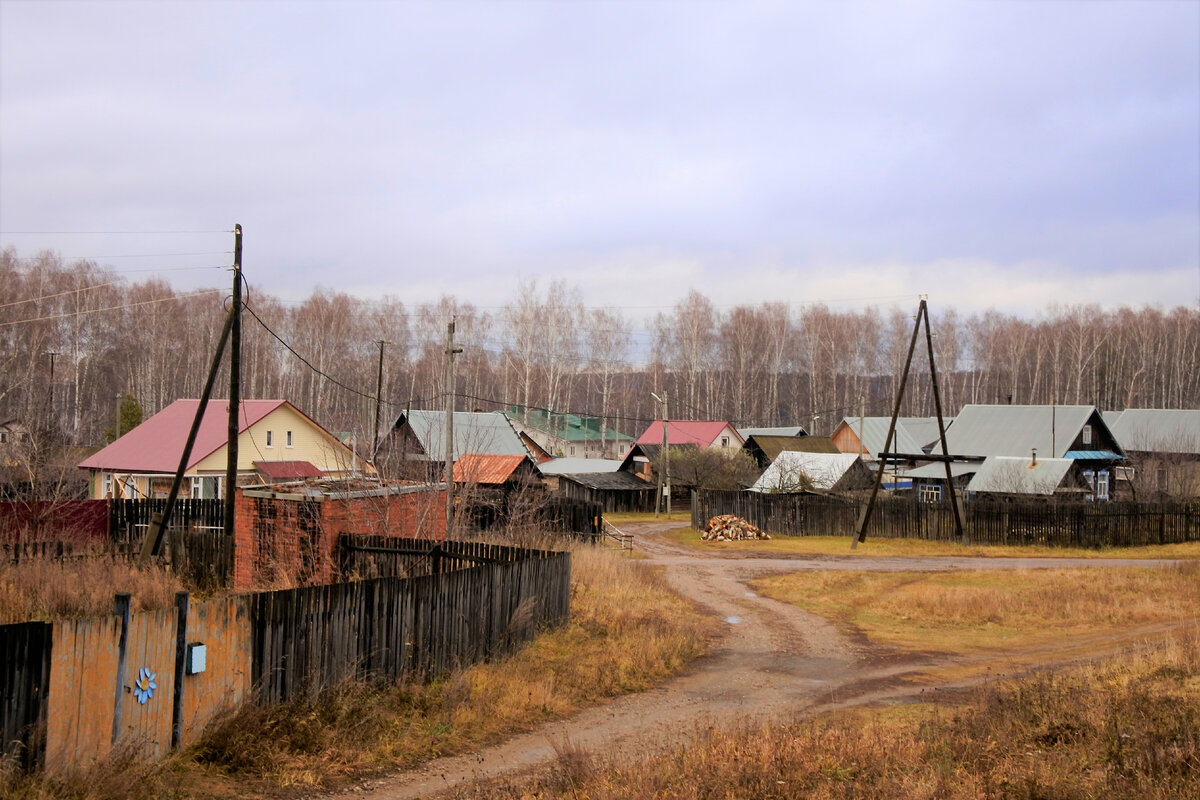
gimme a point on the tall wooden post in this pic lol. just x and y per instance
(451, 351)
(235, 385)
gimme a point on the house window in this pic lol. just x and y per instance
(1087, 434)
(270, 438)
(572, 449)
(1097, 484)
(106, 485)
(724, 441)
(930, 493)
(3, 437)
(289, 438)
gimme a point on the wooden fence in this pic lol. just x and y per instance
(58, 705)
(128, 520)
(1054, 524)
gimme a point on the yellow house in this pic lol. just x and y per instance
(276, 442)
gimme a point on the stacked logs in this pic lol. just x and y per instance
(728, 528)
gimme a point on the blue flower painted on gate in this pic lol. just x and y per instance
(144, 686)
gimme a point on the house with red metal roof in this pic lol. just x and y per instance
(277, 442)
(496, 470)
(699, 433)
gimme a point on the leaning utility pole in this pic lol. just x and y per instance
(451, 351)
(945, 457)
(235, 384)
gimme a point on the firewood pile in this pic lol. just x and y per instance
(728, 528)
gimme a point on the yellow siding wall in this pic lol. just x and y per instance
(309, 443)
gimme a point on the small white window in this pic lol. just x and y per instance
(724, 441)
(1087, 434)
(930, 493)
(1089, 478)
(1102, 485)
(289, 438)
(270, 438)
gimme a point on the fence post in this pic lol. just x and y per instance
(121, 609)
(181, 623)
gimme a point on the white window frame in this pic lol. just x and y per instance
(270, 438)
(288, 439)
(1087, 434)
(929, 493)
(1103, 485)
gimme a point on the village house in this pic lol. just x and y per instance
(415, 445)
(792, 472)
(569, 435)
(1163, 446)
(276, 442)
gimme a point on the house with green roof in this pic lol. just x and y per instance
(569, 435)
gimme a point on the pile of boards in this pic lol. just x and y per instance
(728, 528)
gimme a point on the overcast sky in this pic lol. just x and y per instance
(988, 154)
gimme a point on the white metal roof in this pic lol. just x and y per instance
(1012, 475)
(580, 466)
(824, 470)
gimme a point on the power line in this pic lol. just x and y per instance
(105, 233)
(110, 308)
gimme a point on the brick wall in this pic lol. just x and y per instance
(294, 540)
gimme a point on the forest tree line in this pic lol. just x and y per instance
(76, 336)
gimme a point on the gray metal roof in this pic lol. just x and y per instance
(1003, 430)
(1158, 430)
(823, 469)
(1014, 475)
(937, 471)
(874, 436)
(579, 466)
(622, 481)
(483, 432)
(786, 430)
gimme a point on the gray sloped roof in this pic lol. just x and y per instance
(1158, 430)
(786, 430)
(621, 481)
(579, 466)
(1003, 430)
(1014, 475)
(874, 435)
(937, 470)
(824, 470)
(482, 432)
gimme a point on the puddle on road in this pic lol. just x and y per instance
(751, 594)
(733, 620)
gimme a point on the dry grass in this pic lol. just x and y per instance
(627, 632)
(981, 610)
(44, 589)
(1128, 728)
(882, 547)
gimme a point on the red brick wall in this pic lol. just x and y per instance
(295, 541)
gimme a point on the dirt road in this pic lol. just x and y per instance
(774, 661)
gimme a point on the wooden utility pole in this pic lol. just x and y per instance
(378, 397)
(235, 384)
(451, 351)
(865, 517)
(665, 478)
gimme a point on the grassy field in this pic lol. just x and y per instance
(1126, 728)
(974, 611)
(627, 632)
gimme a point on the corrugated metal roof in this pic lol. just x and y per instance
(874, 436)
(484, 432)
(824, 470)
(157, 444)
(569, 427)
(1015, 475)
(576, 466)
(1158, 430)
(937, 471)
(1003, 430)
(487, 469)
(785, 430)
(701, 433)
(287, 470)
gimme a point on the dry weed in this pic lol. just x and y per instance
(46, 589)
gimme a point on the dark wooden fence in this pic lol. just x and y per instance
(59, 520)
(463, 602)
(128, 520)
(24, 687)
(1055, 524)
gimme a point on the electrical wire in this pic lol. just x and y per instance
(110, 308)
